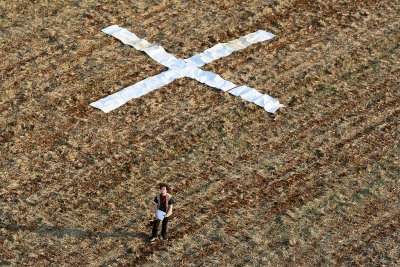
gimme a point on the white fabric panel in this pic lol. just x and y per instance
(211, 79)
(110, 30)
(136, 90)
(269, 103)
(251, 95)
(126, 36)
(156, 52)
(258, 36)
(211, 54)
(237, 44)
(240, 90)
(225, 49)
(186, 68)
(164, 58)
(121, 34)
(196, 60)
(141, 44)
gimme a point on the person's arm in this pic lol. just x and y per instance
(155, 208)
(169, 211)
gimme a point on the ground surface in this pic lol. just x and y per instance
(316, 184)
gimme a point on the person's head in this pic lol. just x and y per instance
(164, 188)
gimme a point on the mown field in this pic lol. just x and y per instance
(315, 184)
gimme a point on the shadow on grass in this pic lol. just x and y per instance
(60, 232)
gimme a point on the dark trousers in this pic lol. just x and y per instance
(156, 223)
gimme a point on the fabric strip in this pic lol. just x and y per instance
(225, 49)
(136, 90)
(267, 102)
(179, 68)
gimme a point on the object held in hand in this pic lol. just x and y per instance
(160, 215)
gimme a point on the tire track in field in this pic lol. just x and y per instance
(366, 110)
(375, 232)
(352, 72)
(294, 84)
(68, 59)
(297, 199)
(203, 252)
(362, 163)
(308, 126)
(335, 114)
(372, 111)
(343, 155)
(225, 210)
(298, 79)
(368, 127)
(40, 51)
(291, 36)
(228, 202)
(62, 80)
(304, 257)
(68, 75)
(46, 68)
(65, 57)
(55, 81)
(337, 153)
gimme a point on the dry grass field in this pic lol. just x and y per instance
(315, 184)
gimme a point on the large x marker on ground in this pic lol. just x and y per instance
(178, 68)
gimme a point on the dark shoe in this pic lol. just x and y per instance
(164, 237)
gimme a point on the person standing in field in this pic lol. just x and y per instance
(162, 211)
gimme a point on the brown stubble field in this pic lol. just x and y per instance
(316, 184)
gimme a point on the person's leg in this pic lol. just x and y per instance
(164, 228)
(155, 228)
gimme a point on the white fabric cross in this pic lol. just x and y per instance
(190, 67)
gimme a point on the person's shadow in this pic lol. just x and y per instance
(60, 232)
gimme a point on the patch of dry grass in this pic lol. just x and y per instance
(314, 184)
